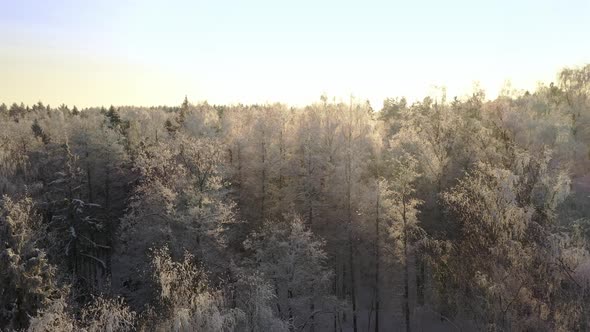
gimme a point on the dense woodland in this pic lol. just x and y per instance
(444, 214)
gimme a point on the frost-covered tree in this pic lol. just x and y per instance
(181, 199)
(55, 317)
(405, 228)
(105, 314)
(295, 263)
(507, 254)
(254, 296)
(102, 314)
(187, 301)
(27, 279)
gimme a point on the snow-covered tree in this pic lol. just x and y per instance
(254, 295)
(404, 229)
(55, 317)
(187, 302)
(294, 261)
(507, 253)
(27, 279)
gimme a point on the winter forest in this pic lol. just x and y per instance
(446, 214)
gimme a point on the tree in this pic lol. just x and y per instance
(105, 314)
(376, 208)
(113, 117)
(181, 198)
(56, 317)
(178, 121)
(39, 133)
(574, 84)
(27, 279)
(404, 229)
(253, 295)
(309, 166)
(3, 109)
(357, 143)
(506, 253)
(17, 111)
(186, 299)
(290, 257)
(102, 314)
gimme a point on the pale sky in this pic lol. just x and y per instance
(91, 53)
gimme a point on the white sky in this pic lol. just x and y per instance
(156, 52)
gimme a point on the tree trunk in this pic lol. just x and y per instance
(278, 300)
(240, 185)
(89, 179)
(377, 258)
(352, 281)
(406, 280)
(420, 279)
(290, 297)
(349, 219)
(281, 184)
(110, 223)
(309, 191)
(263, 190)
(335, 322)
(312, 308)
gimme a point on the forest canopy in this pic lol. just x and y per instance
(459, 213)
